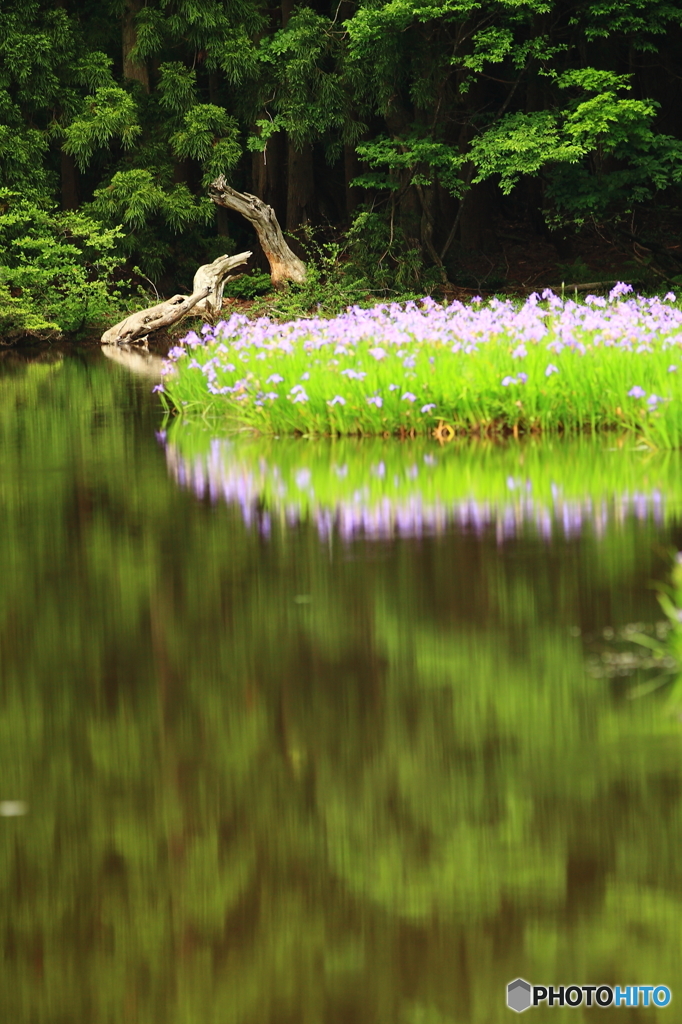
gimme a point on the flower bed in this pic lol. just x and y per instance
(549, 365)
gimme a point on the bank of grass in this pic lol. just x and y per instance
(548, 366)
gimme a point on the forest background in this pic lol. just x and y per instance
(406, 145)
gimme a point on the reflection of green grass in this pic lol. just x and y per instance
(323, 474)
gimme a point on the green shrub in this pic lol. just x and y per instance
(56, 269)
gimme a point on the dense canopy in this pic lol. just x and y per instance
(407, 128)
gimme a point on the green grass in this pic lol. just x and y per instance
(549, 366)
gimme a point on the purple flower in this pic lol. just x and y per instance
(271, 394)
(337, 400)
(300, 397)
(353, 374)
(551, 368)
(409, 397)
(274, 378)
(429, 407)
(378, 353)
(669, 297)
(620, 289)
(636, 392)
(394, 387)
(654, 400)
(305, 376)
(506, 381)
(672, 368)
(519, 352)
(296, 388)
(375, 400)
(522, 378)
(158, 387)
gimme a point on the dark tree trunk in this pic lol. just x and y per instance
(132, 70)
(300, 186)
(351, 170)
(69, 181)
(268, 171)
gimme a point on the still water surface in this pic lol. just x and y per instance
(305, 740)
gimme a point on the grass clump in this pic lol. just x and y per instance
(549, 365)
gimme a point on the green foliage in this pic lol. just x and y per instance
(432, 96)
(111, 113)
(56, 269)
(248, 286)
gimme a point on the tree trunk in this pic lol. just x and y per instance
(300, 186)
(285, 266)
(351, 170)
(132, 70)
(269, 174)
(69, 181)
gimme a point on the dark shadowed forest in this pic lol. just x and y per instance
(406, 146)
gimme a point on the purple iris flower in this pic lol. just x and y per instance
(551, 368)
(409, 397)
(429, 407)
(375, 400)
(636, 392)
(337, 400)
(506, 381)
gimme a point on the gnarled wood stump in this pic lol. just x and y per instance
(206, 299)
(285, 266)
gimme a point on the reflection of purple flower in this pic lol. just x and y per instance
(636, 392)
(409, 397)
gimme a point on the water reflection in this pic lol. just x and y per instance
(274, 780)
(423, 493)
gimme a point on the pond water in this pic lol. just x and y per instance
(296, 733)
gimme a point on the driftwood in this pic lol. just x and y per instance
(215, 276)
(206, 298)
(285, 266)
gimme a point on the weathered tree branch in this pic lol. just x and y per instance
(285, 266)
(206, 298)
